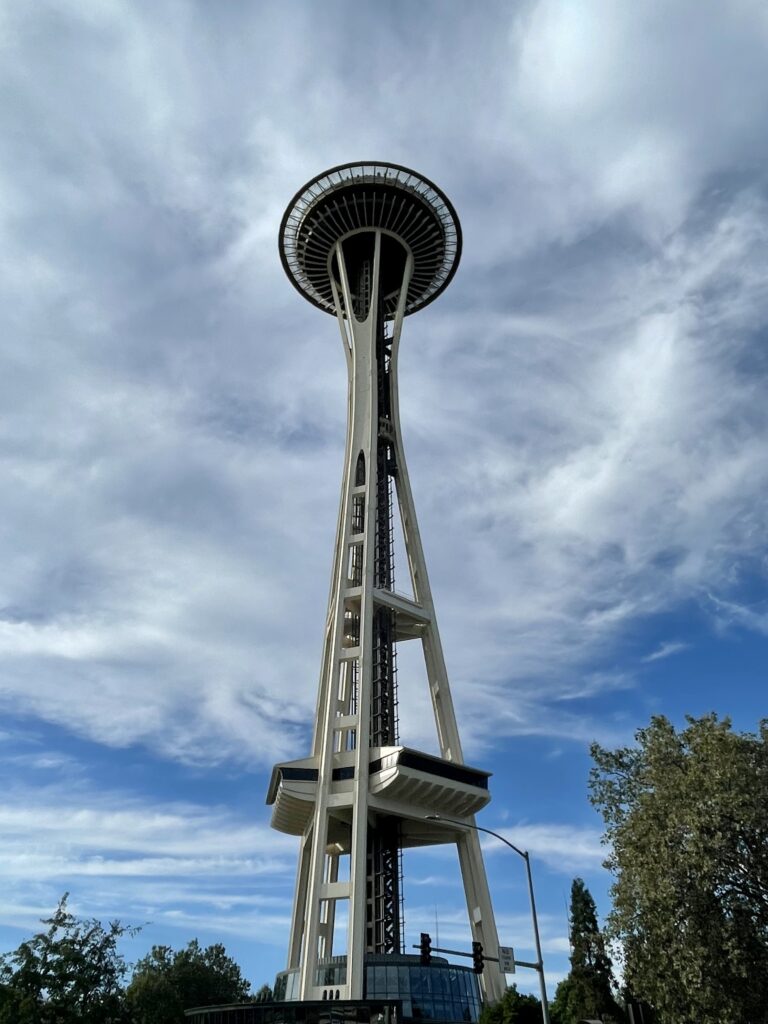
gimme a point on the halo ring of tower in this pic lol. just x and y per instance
(358, 197)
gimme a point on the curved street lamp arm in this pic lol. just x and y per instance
(524, 854)
(479, 828)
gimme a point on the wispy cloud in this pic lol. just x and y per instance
(172, 448)
(584, 410)
(735, 613)
(666, 650)
(176, 864)
(562, 847)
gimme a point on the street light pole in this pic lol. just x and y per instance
(526, 857)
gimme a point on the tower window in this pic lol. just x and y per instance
(360, 471)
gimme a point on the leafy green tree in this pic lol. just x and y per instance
(512, 1008)
(687, 824)
(587, 991)
(71, 973)
(167, 982)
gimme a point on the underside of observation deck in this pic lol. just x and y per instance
(363, 197)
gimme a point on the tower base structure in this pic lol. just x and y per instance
(352, 1011)
(440, 991)
(397, 989)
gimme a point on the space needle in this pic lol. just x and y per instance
(371, 243)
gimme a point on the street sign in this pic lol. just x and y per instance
(506, 960)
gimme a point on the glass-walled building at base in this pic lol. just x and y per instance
(443, 993)
(362, 1011)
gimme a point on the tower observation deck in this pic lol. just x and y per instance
(371, 243)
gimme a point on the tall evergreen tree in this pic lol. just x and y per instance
(586, 992)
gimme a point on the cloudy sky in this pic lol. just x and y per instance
(584, 414)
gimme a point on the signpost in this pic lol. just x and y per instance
(506, 960)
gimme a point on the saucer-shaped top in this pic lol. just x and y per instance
(354, 197)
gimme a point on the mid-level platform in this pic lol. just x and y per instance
(404, 782)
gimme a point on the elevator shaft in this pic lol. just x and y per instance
(384, 857)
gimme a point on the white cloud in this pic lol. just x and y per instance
(192, 866)
(634, 108)
(565, 848)
(733, 613)
(586, 444)
(637, 479)
(584, 409)
(666, 650)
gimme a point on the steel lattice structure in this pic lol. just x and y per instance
(371, 243)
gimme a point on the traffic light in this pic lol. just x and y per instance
(425, 949)
(477, 957)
